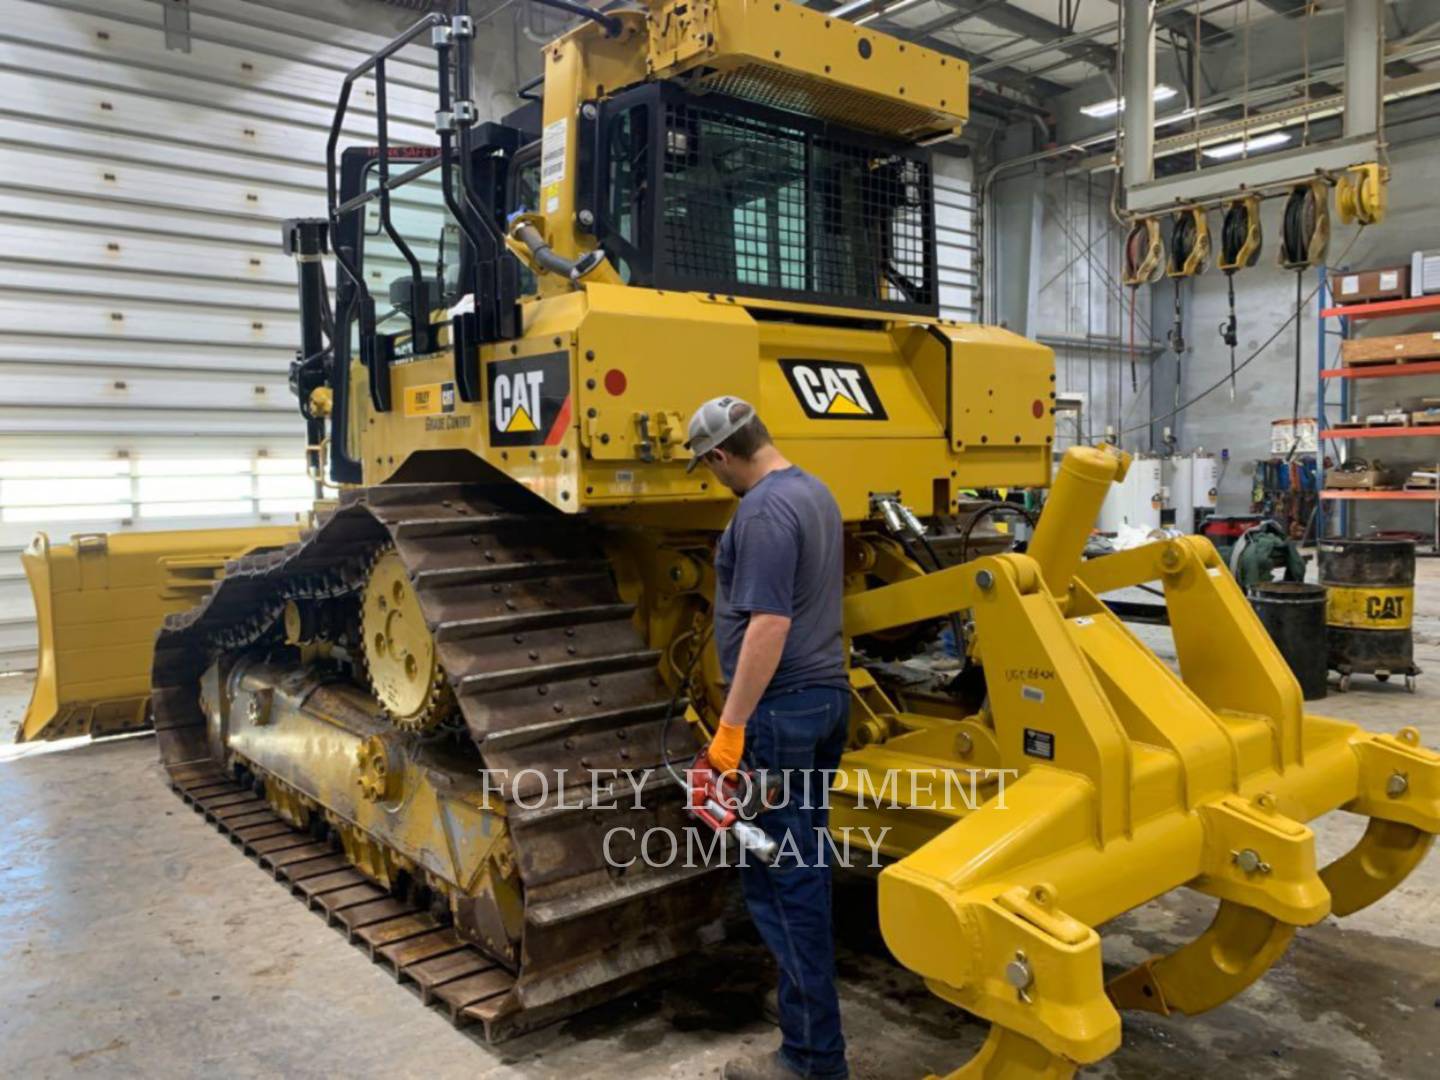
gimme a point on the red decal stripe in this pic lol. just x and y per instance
(562, 421)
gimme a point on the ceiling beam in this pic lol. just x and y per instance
(1034, 90)
(1017, 21)
(1001, 82)
(1040, 30)
(1183, 22)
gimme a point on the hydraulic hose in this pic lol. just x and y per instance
(547, 259)
(1233, 233)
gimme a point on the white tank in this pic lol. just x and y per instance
(1135, 501)
(1204, 484)
(1109, 519)
(1179, 474)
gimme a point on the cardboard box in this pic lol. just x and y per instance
(1368, 286)
(1368, 477)
(1392, 349)
(1282, 436)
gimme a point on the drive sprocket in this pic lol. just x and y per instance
(400, 659)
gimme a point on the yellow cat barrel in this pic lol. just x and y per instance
(1370, 607)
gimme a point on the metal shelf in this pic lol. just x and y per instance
(1406, 496)
(1347, 503)
(1418, 305)
(1381, 432)
(1382, 371)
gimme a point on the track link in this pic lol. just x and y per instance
(410, 942)
(553, 681)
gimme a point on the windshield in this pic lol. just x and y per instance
(419, 216)
(766, 203)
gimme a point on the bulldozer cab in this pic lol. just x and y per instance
(712, 193)
(679, 177)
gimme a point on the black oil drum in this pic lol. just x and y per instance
(1294, 616)
(1371, 584)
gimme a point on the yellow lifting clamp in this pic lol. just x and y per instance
(1360, 195)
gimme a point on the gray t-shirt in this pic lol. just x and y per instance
(782, 554)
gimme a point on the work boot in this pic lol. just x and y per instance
(763, 1065)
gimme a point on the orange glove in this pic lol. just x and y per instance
(726, 747)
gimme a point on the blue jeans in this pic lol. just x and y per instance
(795, 734)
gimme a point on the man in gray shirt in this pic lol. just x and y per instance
(779, 585)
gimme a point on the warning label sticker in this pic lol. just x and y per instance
(1040, 744)
(552, 163)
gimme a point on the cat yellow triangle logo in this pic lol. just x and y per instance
(520, 421)
(840, 405)
(833, 390)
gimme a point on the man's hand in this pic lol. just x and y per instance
(759, 657)
(726, 747)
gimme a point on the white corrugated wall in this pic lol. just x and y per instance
(147, 314)
(955, 236)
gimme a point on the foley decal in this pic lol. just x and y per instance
(529, 400)
(432, 399)
(833, 390)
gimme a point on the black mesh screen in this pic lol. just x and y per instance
(758, 204)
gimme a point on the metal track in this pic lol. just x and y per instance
(411, 942)
(553, 681)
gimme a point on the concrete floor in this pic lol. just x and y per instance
(135, 942)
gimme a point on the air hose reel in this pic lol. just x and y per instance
(1240, 235)
(1189, 252)
(1240, 244)
(1189, 243)
(1144, 264)
(1360, 194)
(1305, 226)
(1144, 253)
(1304, 235)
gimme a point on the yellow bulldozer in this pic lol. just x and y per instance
(418, 713)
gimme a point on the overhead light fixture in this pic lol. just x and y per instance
(887, 9)
(1257, 142)
(1115, 105)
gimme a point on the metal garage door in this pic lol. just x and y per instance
(146, 312)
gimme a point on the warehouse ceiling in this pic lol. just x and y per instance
(1042, 49)
(1028, 55)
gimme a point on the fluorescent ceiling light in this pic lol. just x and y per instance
(1115, 105)
(1257, 142)
(888, 9)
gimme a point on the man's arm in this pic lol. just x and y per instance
(760, 652)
